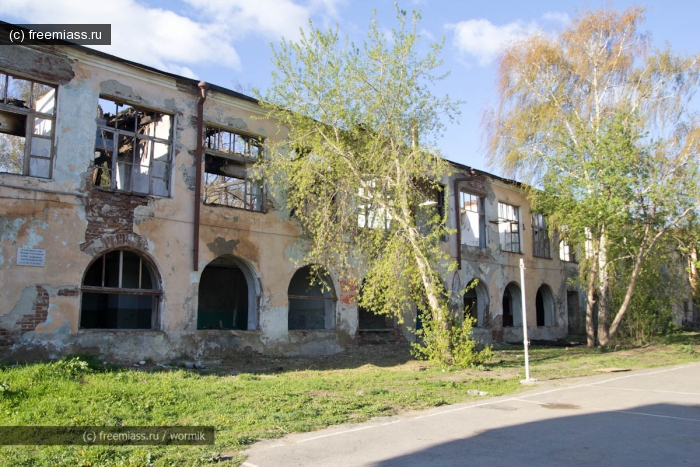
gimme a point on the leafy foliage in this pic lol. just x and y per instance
(601, 126)
(357, 170)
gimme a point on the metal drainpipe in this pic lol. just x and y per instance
(203, 87)
(456, 182)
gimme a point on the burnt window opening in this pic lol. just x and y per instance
(544, 306)
(311, 301)
(27, 121)
(227, 297)
(120, 291)
(509, 227)
(370, 321)
(540, 237)
(230, 178)
(512, 308)
(133, 149)
(472, 219)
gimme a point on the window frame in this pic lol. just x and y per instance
(136, 136)
(246, 159)
(541, 244)
(156, 292)
(511, 222)
(31, 117)
(481, 211)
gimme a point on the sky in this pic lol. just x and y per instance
(228, 42)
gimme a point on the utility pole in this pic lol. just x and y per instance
(526, 343)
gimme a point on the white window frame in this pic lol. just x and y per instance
(467, 202)
(541, 245)
(509, 227)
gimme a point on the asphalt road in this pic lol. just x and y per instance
(640, 418)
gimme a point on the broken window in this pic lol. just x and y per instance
(229, 175)
(370, 321)
(509, 227)
(544, 306)
(133, 149)
(512, 311)
(226, 296)
(472, 220)
(27, 121)
(540, 237)
(311, 301)
(120, 291)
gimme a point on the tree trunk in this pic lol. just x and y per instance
(590, 301)
(603, 293)
(633, 282)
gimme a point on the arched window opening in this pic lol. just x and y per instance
(476, 303)
(227, 298)
(120, 291)
(369, 321)
(544, 305)
(311, 301)
(512, 311)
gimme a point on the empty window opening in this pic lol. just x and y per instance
(544, 306)
(476, 302)
(566, 252)
(512, 311)
(540, 237)
(27, 120)
(509, 227)
(120, 291)
(229, 175)
(472, 220)
(430, 213)
(311, 301)
(370, 213)
(370, 321)
(227, 297)
(132, 149)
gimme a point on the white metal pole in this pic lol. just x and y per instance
(524, 308)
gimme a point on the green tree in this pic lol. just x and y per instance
(600, 124)
(357, 168)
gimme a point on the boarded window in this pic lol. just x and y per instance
(509, 227)
(311, 301)
(133, 149)
(27, 121)
(226, 296)
(472, 220)
(229, 174)
(119, 291)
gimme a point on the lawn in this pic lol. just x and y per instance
(252, 397)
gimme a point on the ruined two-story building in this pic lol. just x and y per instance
(131, 226)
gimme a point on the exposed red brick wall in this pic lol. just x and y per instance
(348, 292)
(6, 337)
(41, 311)
(72, 292)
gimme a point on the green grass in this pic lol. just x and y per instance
(247, 407)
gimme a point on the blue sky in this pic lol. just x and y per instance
(227, 42)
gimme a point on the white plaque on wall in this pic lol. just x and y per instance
(31, 257)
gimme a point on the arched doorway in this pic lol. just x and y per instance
(227, 295)
(544, 305)
(512, 308)
(311, 301)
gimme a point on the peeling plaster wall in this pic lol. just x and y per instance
(40, 306)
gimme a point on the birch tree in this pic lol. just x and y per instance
(600, 123)
(358, 168)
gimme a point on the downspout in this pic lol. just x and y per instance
(203, 87)
(455, 183)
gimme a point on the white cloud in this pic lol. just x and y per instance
(271, 18)
(484, 40)
(152, 36)
(557, 17)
